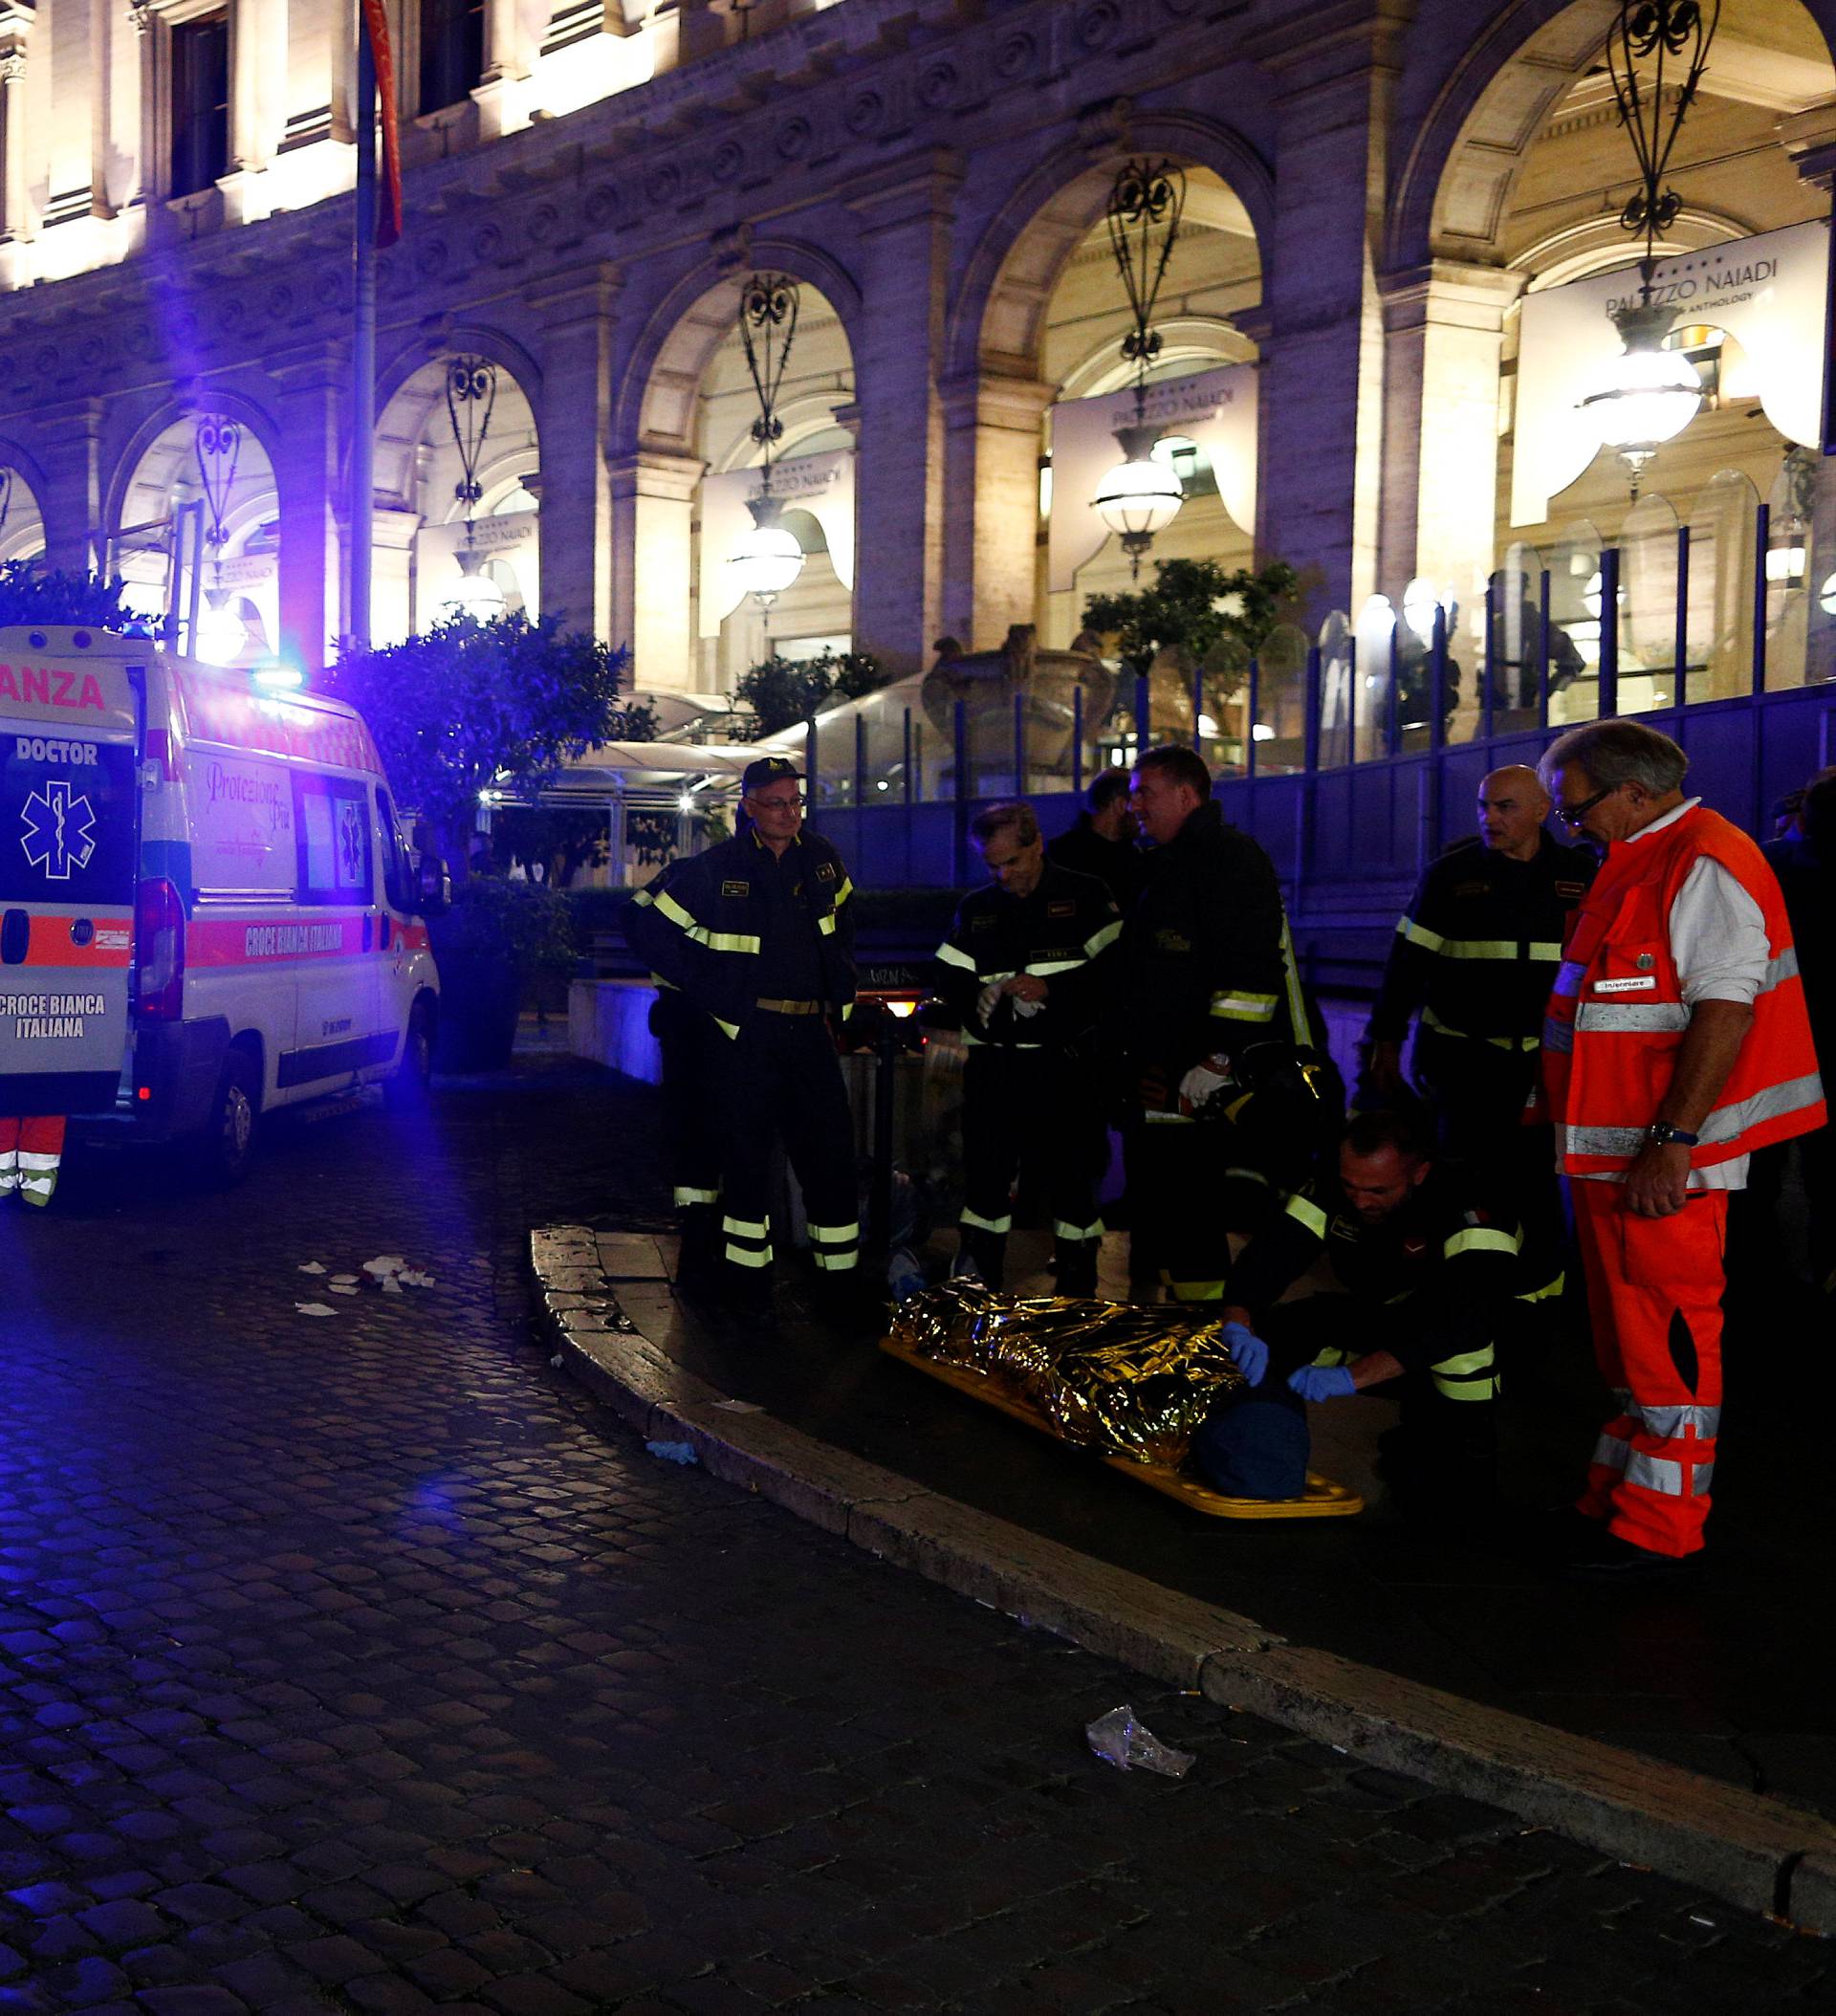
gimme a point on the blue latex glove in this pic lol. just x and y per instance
(1322, 1382)
(1248, 1352)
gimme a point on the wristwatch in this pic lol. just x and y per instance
(1662, 1134)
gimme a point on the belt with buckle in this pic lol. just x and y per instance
(791, 1007)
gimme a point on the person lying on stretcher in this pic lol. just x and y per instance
(1421, 1274)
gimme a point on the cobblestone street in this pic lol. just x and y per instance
(360, 1663)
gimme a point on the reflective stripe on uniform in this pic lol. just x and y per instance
(1519, 951)
(1154, 1117)
(1236, 1173)
(1640, 1019)
(1727, 1123)
(835, 1234)
(825, 925)
(1305, 1212)
(1783, 967)
(975, 1220)
(1482, 1238)
(1060, 1230)
(842, 895)
(749, 1255)
(1101, 940)
(1611, 1451)
(730, 1030)
(715, 940)
(1330, 1354)
(1431, 1020)
(836, 1262)
(1244, 1007)
(1671, 1423)
(746, 1228)
(1464, 1364)
(1654, 1473)
(1550, 1287)
(1040, 968)
(949, 955)
(1300, 1030)
(1194, 1290)
(1419, 934)
(683, 1194)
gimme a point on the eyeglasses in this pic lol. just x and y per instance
(780, 804)
(1571, 816)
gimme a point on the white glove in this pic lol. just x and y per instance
(1201, 1083)
(987, 1001)
(1024, 1007)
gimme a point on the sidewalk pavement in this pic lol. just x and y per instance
(1682, 1728)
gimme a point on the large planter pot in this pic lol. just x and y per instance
(480, 994)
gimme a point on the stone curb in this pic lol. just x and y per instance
(1763, 1855)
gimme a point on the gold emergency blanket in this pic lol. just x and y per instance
(1108, 1377)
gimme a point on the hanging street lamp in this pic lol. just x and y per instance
(1141, 496)
(472, 397)
(768, 558)
(216, 444)
(1653, 393)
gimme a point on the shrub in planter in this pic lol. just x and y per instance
(496, 938)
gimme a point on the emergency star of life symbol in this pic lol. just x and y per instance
(60, 831)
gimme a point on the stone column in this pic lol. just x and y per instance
(307, 476)
(572, 428)
(70, 454)
(899, 477)
(1443, 328)
(990, 505)
(1322, 371)
(257, 104)
(652, 495)
(505, 62)
(17, 224)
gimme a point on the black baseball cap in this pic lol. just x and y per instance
(766, 771)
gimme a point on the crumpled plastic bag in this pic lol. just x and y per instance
(1118, 1738)
(673, 1451)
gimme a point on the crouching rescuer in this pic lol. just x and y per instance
(30, 1150)
(1421, 1273)
(757, 935)
(1026, 968)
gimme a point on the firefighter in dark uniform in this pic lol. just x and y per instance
(1207, 972)
(689, 1047)
(1100, 841)
(1474, 956)
(1424, 1272)
(758, 934)
(1025, 967)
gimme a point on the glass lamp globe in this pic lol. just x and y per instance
(768, 558)
(1139, 498)
(222, 633)
(1654, 396)
(474, 593)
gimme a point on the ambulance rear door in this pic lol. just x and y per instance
(69, 710)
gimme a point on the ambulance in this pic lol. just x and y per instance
(208, 910)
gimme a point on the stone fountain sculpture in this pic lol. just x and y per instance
(1046, 681)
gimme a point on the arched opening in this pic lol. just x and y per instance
(22, 524)
(813, 471)
(458, 488)
(1054, 327)
(1525, 219)
(196, 537)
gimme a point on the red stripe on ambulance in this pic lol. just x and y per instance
(220, 941)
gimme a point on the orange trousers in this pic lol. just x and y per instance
(30, 1152)
(1654, 1297)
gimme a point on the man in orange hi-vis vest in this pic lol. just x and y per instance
(1676, 1042)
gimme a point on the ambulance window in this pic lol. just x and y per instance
(396, 886)
(333, 823)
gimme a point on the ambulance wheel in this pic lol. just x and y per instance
(228, 1143)
(406, 1086)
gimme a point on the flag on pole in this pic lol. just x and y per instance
(388, 212)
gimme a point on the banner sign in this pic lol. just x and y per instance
(1214, 408)
(823, 485)
(1767, 293)
(513, 542)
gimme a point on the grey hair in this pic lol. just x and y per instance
(1613, 753)
(1014, 816)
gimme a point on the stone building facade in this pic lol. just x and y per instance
(1373, 184)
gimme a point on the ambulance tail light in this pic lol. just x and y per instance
(159, 952)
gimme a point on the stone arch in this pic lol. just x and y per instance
(25, 520)
(1451, 195)
(997, 317)
(459, 338)
(654, 405)
(203, 398)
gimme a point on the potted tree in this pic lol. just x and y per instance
(465, 711)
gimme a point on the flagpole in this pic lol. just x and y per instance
(363, 343)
